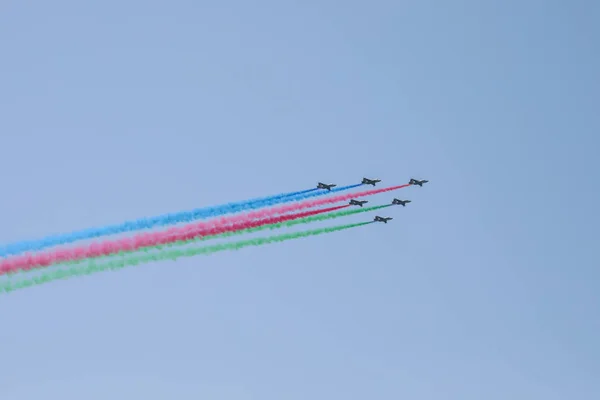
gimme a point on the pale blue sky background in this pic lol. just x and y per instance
(485, 287)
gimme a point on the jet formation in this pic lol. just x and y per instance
(367, 181)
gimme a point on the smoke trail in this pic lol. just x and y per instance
(144, 240)
(148, 239)
(166, 255)
(240, 231)
(161, 220)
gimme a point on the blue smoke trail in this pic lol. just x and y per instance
(165, 219)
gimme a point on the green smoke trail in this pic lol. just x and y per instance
(133, 260)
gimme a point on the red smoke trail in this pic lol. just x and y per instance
(186, 232)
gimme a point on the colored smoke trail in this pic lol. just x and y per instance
(109, 247)
(149, 239)
(161, 220)
(166, 255)
(236, 232)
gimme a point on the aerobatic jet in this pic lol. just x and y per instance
(381, 219)
(417, 182)
(401, 202)
(325, 186)
(367, 181)
(357, 202)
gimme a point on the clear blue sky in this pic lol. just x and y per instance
(484, 287)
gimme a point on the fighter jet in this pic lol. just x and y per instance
(401, 202)
(367, 181)
(417, 182)
(325, 186)
(381, 219)
(357, 202)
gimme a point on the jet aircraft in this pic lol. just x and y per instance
(367, 181)
(401, 202)
(417, 182)
(357, 202)
(325, 186)
(381, 219)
